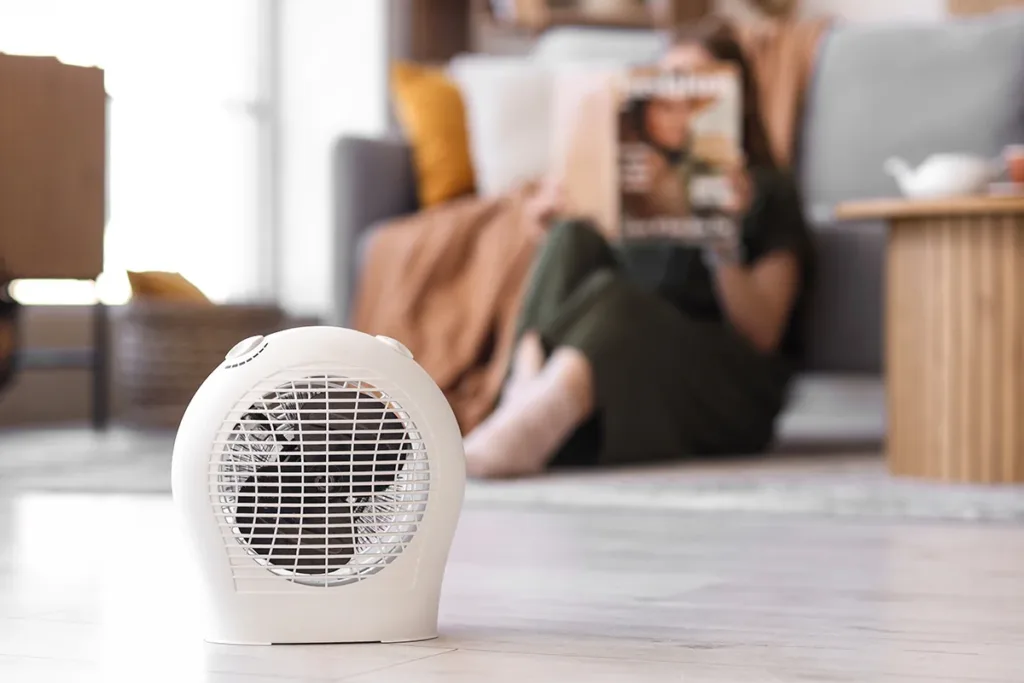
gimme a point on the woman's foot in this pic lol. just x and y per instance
(525, 432)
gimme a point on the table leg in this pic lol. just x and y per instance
(100, 366)
(955, 348)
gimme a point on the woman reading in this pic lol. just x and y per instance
(652, 351)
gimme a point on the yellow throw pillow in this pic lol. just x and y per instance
(162, 286)
(430, 109)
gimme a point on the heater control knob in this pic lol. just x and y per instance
(243, 347)
(396, 345)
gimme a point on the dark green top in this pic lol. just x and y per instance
(774, 221)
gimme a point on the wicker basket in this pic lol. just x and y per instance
(164, 351)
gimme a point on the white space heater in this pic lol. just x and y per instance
(319, 473)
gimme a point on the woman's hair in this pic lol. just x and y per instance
(717, 37)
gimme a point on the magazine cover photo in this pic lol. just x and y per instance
(678, 139)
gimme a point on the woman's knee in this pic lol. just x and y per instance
(577, 237)
(608, 291)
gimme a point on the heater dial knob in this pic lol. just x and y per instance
(243, 347)
(396, 345)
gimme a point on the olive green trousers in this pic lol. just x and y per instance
(666, 385)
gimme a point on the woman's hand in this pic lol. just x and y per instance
(741, 189)
(546, 203)
(726, 249)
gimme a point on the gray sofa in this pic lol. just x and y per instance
(878, 90)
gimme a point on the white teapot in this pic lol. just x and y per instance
(944, 175)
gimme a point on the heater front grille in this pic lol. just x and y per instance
(322, 480)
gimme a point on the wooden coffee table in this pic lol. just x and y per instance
(954, 336)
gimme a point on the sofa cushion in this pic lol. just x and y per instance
(516, 108)
(909, 90)
(508, 105)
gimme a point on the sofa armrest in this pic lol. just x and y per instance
(373, 181)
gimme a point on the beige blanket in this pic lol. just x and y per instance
(446, 282)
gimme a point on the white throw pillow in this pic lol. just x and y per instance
(508, 106)
(520, 112)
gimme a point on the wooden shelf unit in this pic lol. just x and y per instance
(536, 16)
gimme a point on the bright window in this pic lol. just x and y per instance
(184, 126)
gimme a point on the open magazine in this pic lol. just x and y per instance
(679, 133)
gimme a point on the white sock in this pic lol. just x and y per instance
(525, 432)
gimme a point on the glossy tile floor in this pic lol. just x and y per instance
(93, 587)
